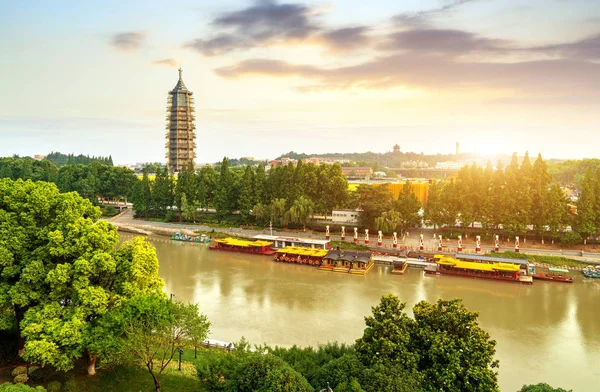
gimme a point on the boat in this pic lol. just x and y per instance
(554, 275)
(243, 246)
(188, 238)
(590, 272)
(300, 255)
(500, 271)
(353, 262)
(400, 268)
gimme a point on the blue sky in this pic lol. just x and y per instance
(316, 76)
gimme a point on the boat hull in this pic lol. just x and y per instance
(561, 279)
(479, 277)
(270, 252)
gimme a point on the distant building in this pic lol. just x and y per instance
(396, 148)
(345, 216)
(181, 144)
(450, 165)
(380, 174)
(357, 172)
(39, 157)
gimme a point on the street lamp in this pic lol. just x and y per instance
(180, 351)
(172, 295)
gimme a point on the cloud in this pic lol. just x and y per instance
(344, 39)
(548, 77)
(264, 23)
(441, 41)
(423, 17)
(168, 62)
(584, 49)
(128, 41)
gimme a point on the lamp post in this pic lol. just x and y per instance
(171, 297)
(180, 351)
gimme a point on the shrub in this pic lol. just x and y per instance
(570, 238)
(42, 374)
(21, 378)
(10, 387)
(53, 386)
(70, 385)
(19, 370)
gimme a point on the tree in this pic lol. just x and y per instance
(152, 328)
(10, 387)
(277, 212)
(263, 373)
(373, 200)
(389, 221)
(188, 209)
(386, 339)
(142, 196)
(186, 185)
(223, 192)
(586, 214)
(433, 212)
(59, 270)
(247, 195)
(407, 205)
(541, 387)
(455, 354)
(162, 192)
(301, 211)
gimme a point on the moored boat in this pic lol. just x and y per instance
(554, 275)
(400, 268)
(299, 255)
(500, 271)
(590, 272)
(243, 246)
(188, 238)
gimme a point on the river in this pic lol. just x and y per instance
(548, 332)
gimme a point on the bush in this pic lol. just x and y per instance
(19, 370)
(42, 374)
(70, 385)
(542, 387)
(10, 387)
(570, 238)
(21, 379)
(53, 386)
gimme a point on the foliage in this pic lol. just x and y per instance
(541, 387)
(54, 386)
(557, 261)
(148, 329)
(10, 387)
(345, 245)
(570, 238)
(69, 159)
(263, 373)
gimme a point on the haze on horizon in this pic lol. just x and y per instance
(311, 76)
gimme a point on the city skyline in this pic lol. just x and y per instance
(312, 76)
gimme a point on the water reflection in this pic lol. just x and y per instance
(547, 332)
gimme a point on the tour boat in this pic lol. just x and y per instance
(300, 255)
(353, 262)
(554, 275)
(500, 271)
(243, 246)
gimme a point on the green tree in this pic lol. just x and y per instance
(162, 192)
(408, 206)
(374, 201)
(152, 328)
(277, 211)
(386, 338)
(223, 192)
(259, 184)
(188, 209)
(433, 212)
(186, 185)
(541, 387)
(267, 373)
(10, 387)
(301, 211)
(586, 214)
(389, 221)
(455, 354)
(247, 195)
(142, 196)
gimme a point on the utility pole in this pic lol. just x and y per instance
(271, 227)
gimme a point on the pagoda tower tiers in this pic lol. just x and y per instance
(181, 145)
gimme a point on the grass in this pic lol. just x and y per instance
(557, 261)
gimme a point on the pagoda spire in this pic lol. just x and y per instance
(180, 73)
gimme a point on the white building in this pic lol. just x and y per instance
(345, 216)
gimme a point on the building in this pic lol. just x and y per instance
(419, 188)
(396, 148)
(357, 172)
(39, 157)
(181, 144)
(345, 216)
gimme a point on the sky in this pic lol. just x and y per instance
(497, 76)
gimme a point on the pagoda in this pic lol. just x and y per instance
(181, 143)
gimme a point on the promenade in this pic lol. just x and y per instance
(125, 222)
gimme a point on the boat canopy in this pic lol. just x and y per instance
(242, 243)
(466, 256)
(558, 270)
(472, 265)
(299, 251)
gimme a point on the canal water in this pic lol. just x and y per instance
(548, 332)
